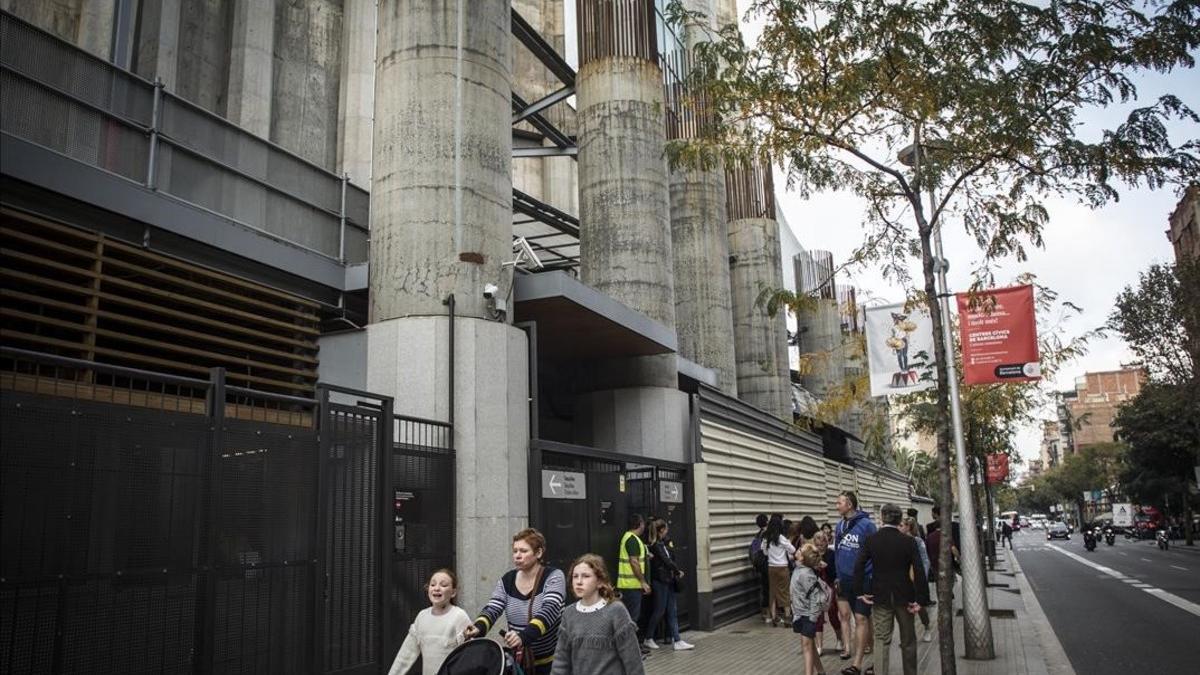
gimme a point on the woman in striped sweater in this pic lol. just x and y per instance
(531, 599)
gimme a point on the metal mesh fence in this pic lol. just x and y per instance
(154, 523)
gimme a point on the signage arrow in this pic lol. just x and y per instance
(555, 485)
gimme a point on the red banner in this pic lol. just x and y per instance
(997, 467)
(999, 336)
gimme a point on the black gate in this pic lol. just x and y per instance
(153, 523)
(615, 486)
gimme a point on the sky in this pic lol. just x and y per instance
(1088, 258)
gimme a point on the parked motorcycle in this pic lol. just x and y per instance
(1163, 542)
(1110, 537)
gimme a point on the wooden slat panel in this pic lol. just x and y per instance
(307, 317)
(132, 305)
(213, 274)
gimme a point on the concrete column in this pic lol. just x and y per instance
(356, 103)
(252, 43)
(727, 12)
(625, 227)
(760, 341)
(306, 76)
(96, 21)
(630, 404)
(158, 42)
(442, 224)
(699, 243)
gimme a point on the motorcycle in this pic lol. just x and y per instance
(1163, 542)
(1089, 540)
(1110, 537)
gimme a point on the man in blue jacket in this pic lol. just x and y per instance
(851, 531)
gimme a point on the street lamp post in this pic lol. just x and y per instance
(977, 625)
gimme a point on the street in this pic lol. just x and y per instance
(1126, 608)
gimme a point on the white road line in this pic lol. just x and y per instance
(1171, 598)
(1119, 553)
(1179, 568)
(1146, 560)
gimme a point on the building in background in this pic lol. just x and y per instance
(1184, 230)
(1051, 446)
(1086, 414)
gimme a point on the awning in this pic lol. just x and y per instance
(575, 321)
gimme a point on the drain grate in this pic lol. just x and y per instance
(997, 613)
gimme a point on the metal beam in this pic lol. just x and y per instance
(569, 151)
(542, 124)
(544, 213)
(536, 44)
(543, 103)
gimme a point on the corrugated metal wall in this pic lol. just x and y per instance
(879, 486)
(748, 475)
(838, 477)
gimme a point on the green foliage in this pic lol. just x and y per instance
(1162, 428)
(1160, 320)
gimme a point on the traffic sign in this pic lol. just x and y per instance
(563, 485)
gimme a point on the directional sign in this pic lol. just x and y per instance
(1123, 515)
(670, 492)
(563, 485)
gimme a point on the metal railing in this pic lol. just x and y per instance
(73, 103)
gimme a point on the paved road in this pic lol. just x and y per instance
(1134, 609)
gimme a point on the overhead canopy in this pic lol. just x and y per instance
(575, 321)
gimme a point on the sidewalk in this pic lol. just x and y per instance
(1025, 643)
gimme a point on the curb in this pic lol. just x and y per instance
(1053, 654)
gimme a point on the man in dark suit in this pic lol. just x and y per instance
(899, 588)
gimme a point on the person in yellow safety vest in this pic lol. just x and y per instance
(632, 566)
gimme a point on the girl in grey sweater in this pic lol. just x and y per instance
(596, 636)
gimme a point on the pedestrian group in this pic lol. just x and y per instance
(608, 630)
(860, 579)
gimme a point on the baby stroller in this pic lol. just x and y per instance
(480, 657)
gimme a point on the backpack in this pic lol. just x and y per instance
(825, 599)
(758, 557)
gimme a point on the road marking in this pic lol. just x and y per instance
(1119, 553)
(1146, 560)
(1171, 598)
(1179, 568)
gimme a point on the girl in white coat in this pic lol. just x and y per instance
(437, 630)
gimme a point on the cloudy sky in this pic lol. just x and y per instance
(1089, 255)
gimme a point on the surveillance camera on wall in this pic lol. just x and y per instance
(489, 291)
(525, 257)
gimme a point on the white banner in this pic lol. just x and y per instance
(1122, 515)
(899, 350)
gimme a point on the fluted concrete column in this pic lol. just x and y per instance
(699, 241)
(441, 212)
(760, 340)
(250, 65)
(441, 198)
(356, 103)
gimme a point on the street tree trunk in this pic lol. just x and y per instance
(945, 578)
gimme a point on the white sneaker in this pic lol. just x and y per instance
(650, 644)
(928, 636)
(681, 646)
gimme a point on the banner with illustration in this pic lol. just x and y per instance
(899, 350)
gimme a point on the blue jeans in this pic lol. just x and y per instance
(632, 599)
(664, 605)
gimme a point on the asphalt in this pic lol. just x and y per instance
(1136, 615)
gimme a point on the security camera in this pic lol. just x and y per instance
(489, 291)
(524, 251)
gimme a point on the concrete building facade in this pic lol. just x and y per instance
(1184, 229)
(350, 192)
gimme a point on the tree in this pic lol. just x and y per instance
(834, 89)
(1162, 427)
(1160, 320)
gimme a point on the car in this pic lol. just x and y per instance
(1058, 531)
